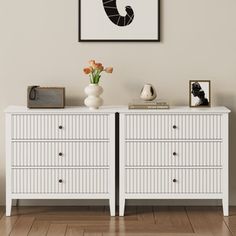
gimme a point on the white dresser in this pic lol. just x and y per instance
(179, 153)
(60, 154)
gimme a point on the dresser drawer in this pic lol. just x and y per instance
(59, 181)
(46, 127)
(49, 154)
(172, 153)
(157, 126)
(178, 181)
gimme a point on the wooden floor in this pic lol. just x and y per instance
(140, 221)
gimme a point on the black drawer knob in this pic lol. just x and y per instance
(174, 154)
(60, 127)
(174, 180)
(60, 181)
(60, 154)
(174, 127)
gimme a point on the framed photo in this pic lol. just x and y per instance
(199, 93)
(119, 20)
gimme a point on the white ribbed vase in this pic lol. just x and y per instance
(93, 101)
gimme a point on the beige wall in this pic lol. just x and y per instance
(38, 45)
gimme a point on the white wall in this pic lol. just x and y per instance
(38, 45)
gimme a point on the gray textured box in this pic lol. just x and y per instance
(45, 97)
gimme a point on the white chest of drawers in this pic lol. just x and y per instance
(180, 153)
(60, 154)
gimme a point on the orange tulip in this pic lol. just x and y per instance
(92, 62)
(109, 69)
(98, 66)
(87, 71)
(95, 69)
(101, 68)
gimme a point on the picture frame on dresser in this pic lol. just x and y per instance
(199, 93)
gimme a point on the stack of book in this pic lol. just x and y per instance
(156, 104)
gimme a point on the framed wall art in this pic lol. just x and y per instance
(199, 93)
(119, 20)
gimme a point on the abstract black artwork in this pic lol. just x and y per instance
(111, 10)
(199, 93)
(119, 20)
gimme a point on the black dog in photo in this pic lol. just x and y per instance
(198, 92)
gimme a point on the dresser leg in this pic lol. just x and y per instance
(225, 203)
(8, 207)
(112, 207)
(122, 207)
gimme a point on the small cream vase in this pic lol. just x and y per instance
(148, 93)
(93, 101)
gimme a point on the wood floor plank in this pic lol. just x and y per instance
(39, 228)
(116, 225)
(139, 221)
(97, 227)
(231, 220)
(82, 223)
(127, 228)
(93, 234)
(177, 217)
(83, 220)
(146, 213)
(172, 220)
(57, 230)
(22, 226)
(208, 220)
(62, 217)
(7, 224)
(231, 224)
(155, 234)
(74, 231)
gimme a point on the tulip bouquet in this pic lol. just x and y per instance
(94, 71)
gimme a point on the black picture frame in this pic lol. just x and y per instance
(120, 40)
(200, 82)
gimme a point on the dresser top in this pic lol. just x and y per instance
(119, 109)
(66, 110)
(180, 110)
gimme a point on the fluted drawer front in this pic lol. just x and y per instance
(153, 126)
(91, 126)
(164, 181)
(59, 181)
(173, 153)
(60, 153)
